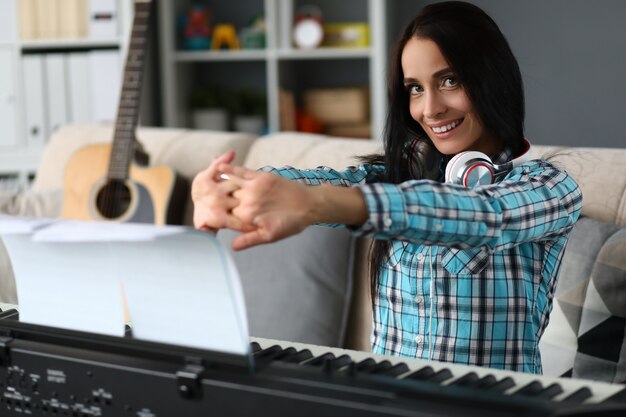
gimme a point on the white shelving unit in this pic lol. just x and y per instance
(277, 66)
(19, 159)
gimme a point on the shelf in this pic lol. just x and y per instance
(280, 66)
(237, 55)
(324, 53)
(25, 159)
(70, 43)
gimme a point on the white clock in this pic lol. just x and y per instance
(308, 33)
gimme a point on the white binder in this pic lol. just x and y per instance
(56, 91)
(79, 87)
(8, 102)
(34, 99)
(103, 19)
(8, 29)
(106, 76)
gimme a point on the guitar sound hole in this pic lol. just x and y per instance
(113, 199)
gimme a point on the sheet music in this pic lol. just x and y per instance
(180, 285)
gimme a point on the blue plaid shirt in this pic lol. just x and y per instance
(471, 273)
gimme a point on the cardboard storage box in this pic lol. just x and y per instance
(337, 105)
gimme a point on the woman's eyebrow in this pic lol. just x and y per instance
(436, 75)
(442, 71)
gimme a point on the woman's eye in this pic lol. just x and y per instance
(450, 82)
(414, 89)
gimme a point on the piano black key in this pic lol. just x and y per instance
(466, 380)
(550, 391)
(341, 361)
(428, 374)
(394, 370)
(440, 376)
(319, 360)
(577, 396)
(300, 356)
(255, 347)
(422, 374)
(378, 368)
(365, 365)
(502, 385)
(485, 382)
(285, 354)
(530, 389)
(268, 353)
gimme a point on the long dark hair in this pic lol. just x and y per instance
(480, 56)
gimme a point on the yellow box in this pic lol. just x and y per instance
(346, 35)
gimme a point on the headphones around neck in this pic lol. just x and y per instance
(473, 169)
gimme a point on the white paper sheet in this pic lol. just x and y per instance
(68, 285)
(11, 225)
(181, 285)
(192, 297)
(77, 231)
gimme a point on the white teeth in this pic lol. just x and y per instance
(443, 129)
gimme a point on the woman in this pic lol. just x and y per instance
(460, 273)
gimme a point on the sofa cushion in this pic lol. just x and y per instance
(307, 150)
(187, 151)
(298, 289)
(601, 345)
(585, 334)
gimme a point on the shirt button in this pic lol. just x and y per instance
(420, 257)
(419, 299)
(419, 339)
(438, 226)
(387, 221)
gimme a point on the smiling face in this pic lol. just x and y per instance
(439, 103)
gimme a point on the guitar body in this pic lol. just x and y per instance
(149, 195)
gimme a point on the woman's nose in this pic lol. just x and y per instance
(433, 105)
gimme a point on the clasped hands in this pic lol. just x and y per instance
(263, 206)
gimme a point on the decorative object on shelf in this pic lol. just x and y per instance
(337, 105)
(346, 35)
(197, 28)
(308, 31)
(342, 111)
(249, 112)
(225, 37)
(253, 35)
(306, 122)
(208, 111)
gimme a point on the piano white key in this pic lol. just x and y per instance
(600, 390)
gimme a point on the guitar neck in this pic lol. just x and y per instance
(123, 147)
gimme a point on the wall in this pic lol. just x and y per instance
(572, 54)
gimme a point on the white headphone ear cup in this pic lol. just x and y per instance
(459, 162)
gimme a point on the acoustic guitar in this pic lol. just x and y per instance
(108, 181)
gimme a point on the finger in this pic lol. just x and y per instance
(238, 171)
(225, 158)
(249, 239)
(228, 187)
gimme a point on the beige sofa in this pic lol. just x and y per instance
(600, 172)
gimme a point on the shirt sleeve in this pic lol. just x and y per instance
(534, 202)
(349, 177)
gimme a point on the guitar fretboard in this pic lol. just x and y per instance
(123, 147)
